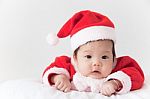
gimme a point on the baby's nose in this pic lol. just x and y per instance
(96, 63)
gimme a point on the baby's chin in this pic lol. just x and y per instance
(95, 76)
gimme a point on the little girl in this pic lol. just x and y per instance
(93, 65)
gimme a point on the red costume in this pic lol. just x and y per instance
(126, 70)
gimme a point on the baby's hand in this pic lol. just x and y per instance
(109, 88)
(62, 82)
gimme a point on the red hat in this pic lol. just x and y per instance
(85, 26)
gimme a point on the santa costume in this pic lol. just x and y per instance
(87, 26)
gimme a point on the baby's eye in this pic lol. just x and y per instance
(105, 57)
(88, 56)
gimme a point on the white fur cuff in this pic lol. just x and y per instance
(125, 80)
(55, 70)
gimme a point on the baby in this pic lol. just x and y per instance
(93, 65)
(94, 62)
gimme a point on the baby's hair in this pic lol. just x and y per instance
(113, 49)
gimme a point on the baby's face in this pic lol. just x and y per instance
(95, 59)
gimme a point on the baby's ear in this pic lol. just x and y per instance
(114, 62)
(74, 56)
(74, 62)
(74, 59)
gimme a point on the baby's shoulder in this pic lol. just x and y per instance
(63, 58)
(125, 58)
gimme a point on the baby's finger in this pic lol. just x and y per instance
(106, 92)
(60, 85)
(63, 88)
(111, 90)
(57, 83)
(67, 89)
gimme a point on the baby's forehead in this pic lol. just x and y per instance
(95, 49)
(98, 51)
(101, 44)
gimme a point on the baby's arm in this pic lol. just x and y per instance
(129, 73)
(110, 87)
(58, 73)
(61, 82)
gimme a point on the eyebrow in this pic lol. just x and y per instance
(103, 51)
(87, 51)
(107, 51)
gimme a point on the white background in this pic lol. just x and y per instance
(24, 25)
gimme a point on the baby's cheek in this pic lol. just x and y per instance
(84, 71)
(106, 71)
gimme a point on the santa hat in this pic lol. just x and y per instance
(85, 26)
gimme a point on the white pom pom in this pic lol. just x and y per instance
(52, 39)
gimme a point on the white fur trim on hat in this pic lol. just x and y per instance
(125, 80)
(56, 71)
(90, 34)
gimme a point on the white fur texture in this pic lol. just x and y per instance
(90, 34)
(34, 89)
(54, 70)
(82, 83)
(52, 39)
(125, 80)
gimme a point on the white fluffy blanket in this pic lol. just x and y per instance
(34, 89)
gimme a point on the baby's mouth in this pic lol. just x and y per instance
(96, 71)
(95, 74)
